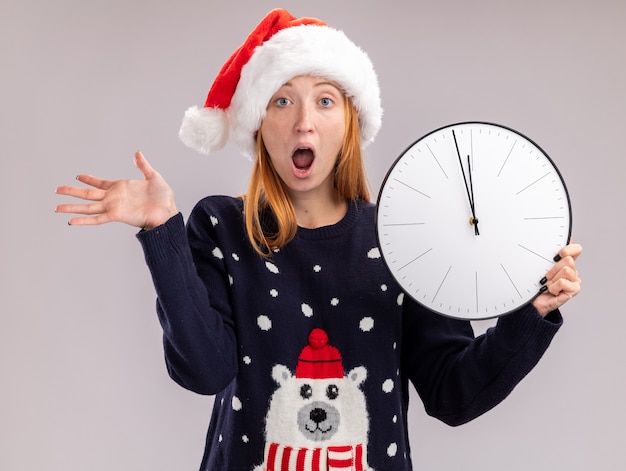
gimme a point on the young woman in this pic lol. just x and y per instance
(278, 302)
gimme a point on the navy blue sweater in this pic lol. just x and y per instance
(237, 325)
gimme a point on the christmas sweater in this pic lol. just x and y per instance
(310, 352)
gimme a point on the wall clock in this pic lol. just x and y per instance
(469, 219)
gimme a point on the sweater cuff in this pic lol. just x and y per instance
(164, 241)
(528, 327)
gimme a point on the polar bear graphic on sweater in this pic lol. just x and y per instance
(317, 419)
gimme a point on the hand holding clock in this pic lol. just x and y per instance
(561, 283)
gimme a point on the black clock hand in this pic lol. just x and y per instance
(470, 196)
(474, 220)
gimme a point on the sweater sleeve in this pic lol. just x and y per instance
(459, 377)
(194, 312)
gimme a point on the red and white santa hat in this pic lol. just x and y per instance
(319, 360)
(280, 48)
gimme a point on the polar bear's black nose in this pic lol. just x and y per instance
(318, 415)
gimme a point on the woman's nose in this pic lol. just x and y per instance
(304, 123)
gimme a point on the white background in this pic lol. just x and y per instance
(84, 83)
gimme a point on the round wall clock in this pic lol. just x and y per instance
(469, 219)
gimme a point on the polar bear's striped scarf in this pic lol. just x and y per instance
(285, 458)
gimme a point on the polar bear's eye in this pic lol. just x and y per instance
(332, 391)
(306, 391)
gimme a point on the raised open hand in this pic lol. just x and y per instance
(143, 203)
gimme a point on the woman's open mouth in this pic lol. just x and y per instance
(302, 159)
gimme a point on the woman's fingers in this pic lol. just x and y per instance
(90, 194)
(94, 208)
(566, 279)
(562, 281)
(563, 277)
(90, 221)
(95, 182)
(566, 257)
(568, 285)
(143, 165)
(570, 250)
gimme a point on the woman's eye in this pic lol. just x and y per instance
(282, 102)
(326, 102)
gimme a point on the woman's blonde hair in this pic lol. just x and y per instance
(267, 192)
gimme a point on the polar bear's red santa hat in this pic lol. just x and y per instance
(319, 360)
(280, 48)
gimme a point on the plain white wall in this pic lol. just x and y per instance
(85, 83)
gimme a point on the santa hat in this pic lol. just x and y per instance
(318, 360)
(280, 48)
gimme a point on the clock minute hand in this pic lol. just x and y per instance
(470, 195)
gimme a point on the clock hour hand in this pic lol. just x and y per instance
(474, 219)
(469, 188)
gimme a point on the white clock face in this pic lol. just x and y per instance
(427, 230)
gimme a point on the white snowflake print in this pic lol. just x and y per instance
(235, 257)
(274, 293)
(388, 385)
(247, 360)
(245, 439)
(317, 269)
(400, 299)
(307, 310)
(366, 324)
(373, 253)
(217, 253)
(272, 268)
(392, 449)
(236, 403)
(230, 280)
(214, 221)
(383, 287)
(334, 302)
(264, 322)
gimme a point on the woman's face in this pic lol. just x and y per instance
(303, 132)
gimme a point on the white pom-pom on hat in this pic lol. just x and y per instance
(204, 129)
